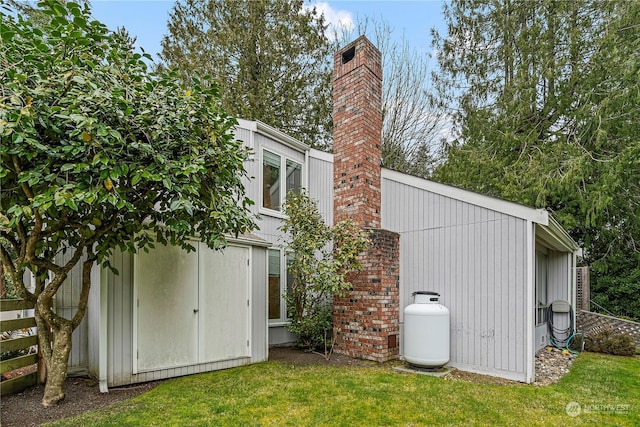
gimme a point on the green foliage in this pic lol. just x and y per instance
(608, 342)
(270, 58)
(93, 143)
(97, 152)
(322, 256)
(616, 288)
(548, 117)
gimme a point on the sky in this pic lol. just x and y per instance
(146, 20)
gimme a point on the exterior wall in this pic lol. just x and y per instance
(559, 272)
(269, 221)
(66, 304)
(320, 183)
(93, 323)
(476, 259)
(120, 322)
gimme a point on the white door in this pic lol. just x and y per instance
(166, 279)
(224, 303)
(192, 307)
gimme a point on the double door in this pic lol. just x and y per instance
(190, 307)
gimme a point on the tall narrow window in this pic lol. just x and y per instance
(541, 288)
(279, 176)
(270, 180)
(280, 283)
(289, 281)
(294, 176)
(274, 285)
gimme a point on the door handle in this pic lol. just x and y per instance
(195, 310)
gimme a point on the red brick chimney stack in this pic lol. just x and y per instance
(357, 133)
(366, 322)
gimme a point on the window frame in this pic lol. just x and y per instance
(283, 256)
(282, 180)
(541, 255)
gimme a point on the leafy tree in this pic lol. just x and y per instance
(270, 58)
(322, 256)
(99, 153)
(546, 95)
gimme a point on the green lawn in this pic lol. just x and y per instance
(607, 388)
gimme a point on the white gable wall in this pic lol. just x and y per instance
(476, 258)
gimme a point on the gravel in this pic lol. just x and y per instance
(552, 364)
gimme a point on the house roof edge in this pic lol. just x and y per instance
(273, 133)
(539, 216)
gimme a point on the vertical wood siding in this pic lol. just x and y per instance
(93, 323)
(559, 266)
(66, 305)
(120, 321)
(321, 186)
(259, 338)
(475, 258)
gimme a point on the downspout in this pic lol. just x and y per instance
(572, 284)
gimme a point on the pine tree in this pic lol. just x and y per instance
(546, 96)
(271, 58)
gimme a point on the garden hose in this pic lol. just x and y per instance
(562, 344)
(581, 347)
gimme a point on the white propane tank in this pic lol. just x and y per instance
(426, 331)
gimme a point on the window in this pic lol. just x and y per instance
(541, 288)
(273, 180)
(279, 282)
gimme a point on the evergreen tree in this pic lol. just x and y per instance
(546, 104)
(271, 58)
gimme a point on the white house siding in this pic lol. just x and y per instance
(66, 305)
(476, 259)
(120, 325)
(320, 183)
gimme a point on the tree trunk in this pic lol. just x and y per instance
(57, 366)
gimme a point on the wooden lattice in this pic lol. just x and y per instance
(590, 323)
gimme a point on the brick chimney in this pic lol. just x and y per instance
(366, 322)
(357, 133)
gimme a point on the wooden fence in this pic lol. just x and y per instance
(583, 289)
(16, 344)
(591, 323)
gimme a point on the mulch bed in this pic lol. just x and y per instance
(83, 394)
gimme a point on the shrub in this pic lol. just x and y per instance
(610, 342)
(322, 256)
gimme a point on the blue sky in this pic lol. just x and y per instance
(147, 20)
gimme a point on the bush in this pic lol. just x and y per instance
(609, 342)
(322, 256)
(315, 330)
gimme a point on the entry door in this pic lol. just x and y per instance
(166, 280)
(224, 303)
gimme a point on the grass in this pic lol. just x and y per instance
(607, 388)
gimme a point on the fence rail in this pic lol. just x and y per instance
(17, 342)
